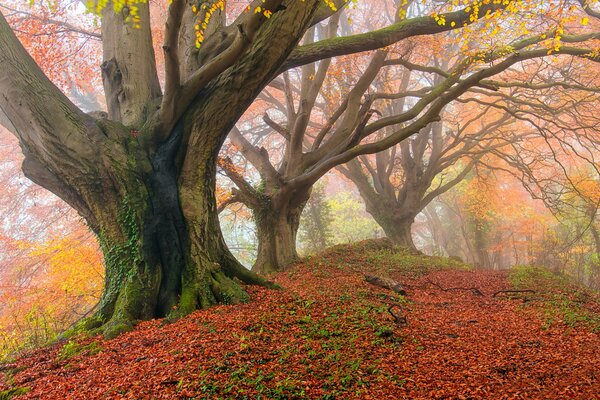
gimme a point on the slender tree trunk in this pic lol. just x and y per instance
(596, 236)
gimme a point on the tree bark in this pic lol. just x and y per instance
(161, 259)
(277, 231)
(398, 230)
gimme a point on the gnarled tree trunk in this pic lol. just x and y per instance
(145, 186)
(163, 256)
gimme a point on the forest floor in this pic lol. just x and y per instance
(331, 335)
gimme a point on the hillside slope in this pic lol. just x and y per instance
(330, 334)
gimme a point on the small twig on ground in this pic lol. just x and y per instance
(513, 291)
(473, 290)
(399, 317)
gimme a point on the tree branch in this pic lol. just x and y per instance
(50, 21)
(171, 53)
(384, 37)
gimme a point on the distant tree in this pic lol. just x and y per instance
(327, 114)
(350, 223)
(315, 224)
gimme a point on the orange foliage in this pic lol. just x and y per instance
(51, 269)
(46, 287)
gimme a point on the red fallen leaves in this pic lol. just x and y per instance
(329, 335)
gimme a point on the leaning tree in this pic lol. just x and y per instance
(142, 174)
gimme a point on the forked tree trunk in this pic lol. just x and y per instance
(277, 232)
(164, 251)
(151, 204)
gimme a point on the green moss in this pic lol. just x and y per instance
(114, 329)
(227, 291)
(86, 326)
(125, 295)
(10, 393)
(562, 300)
(73, 348)
(121, 257)
(405, 262)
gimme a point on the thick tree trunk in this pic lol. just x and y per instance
(210, 267)
(277, 232)
(398, 230)
(141, 229)
(151, 204)
(162, 259)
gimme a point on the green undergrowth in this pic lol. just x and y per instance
(73, 348)
(341, 350)
(408, 263)
(9, 374)
(562, 300)
(383, 258)
(10, 393)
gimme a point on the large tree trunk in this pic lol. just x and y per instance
(277, 232)
(399, 231)
(163, 256)
(210, 266)
(394, 213)
(395, 220)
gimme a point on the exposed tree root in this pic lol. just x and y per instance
(499, 292)
(473, 290)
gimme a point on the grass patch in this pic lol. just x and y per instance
(10, 393)
(73, 348)
(405, 262)
(379, 257)
(563, 299)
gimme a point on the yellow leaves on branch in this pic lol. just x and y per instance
(130, 8)
(331, 4)
(519, 18)
(206, 11)
(403, 9)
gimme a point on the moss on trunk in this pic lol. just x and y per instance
(158, 263)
